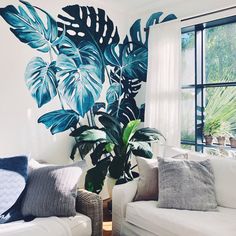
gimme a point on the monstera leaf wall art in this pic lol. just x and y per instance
(85, 49)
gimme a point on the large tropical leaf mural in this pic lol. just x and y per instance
(83, 49)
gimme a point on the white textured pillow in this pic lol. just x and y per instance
(225, 177)
(148, 180)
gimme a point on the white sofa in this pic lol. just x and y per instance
(87, 222)
(143, 218)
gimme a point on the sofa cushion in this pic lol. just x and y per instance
(73, 226)
(51, 191)
(148, 171)
(186, 185)
(225, 177)
(79, 224)
(13, 175)
(147, 188)
(169, 222)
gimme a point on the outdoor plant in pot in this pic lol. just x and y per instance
(111, 146)
(220, 110)
(232, 141)
(223, 132)
(210, 128)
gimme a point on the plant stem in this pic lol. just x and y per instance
(92, 117)
(119, 100)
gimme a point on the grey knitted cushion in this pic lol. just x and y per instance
(186, 185)
(51, 191)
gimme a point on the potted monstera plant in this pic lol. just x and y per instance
(111, 146)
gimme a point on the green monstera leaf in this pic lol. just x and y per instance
(80, 84)
(29, 28)
(95, 177)
(142, 149)
(130, 130)
(92, 135)
(40, 78)
(147, 134)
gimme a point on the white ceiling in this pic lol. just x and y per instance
(185, 7)
(130, 6)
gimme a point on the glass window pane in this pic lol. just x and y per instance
(220, 53)
(188, 115)
(188, 58)
(188, 147)
(220, 111)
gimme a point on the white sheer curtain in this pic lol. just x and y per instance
(163, 81)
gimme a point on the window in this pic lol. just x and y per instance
(209, 85)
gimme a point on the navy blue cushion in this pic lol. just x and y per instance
(13, 176)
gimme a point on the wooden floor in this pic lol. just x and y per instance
(107, 219)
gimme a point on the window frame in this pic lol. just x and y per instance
(199, 84)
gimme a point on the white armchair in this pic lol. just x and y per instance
(121, 196)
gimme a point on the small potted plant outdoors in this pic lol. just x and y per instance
(111, 146)
(223, 132)
(232, 141)
(210, 128)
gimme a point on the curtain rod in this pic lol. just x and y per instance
(201, 15)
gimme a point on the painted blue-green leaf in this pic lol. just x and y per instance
(40, 78)
(135, 35)
(59, 120)
(135, 63)
(113, 57)
(80, 84)
(29, 28)
(124, 111)
(169, 17)
(90, 55)
(88, 24)
(86, 53)
(68, 48)
(113, 93)
(130, 86)
(131, 63)
(154, 19)
(98, 106)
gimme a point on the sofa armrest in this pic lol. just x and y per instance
(91, 205)
(121, 196)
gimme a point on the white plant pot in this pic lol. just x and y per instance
(110, 184)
